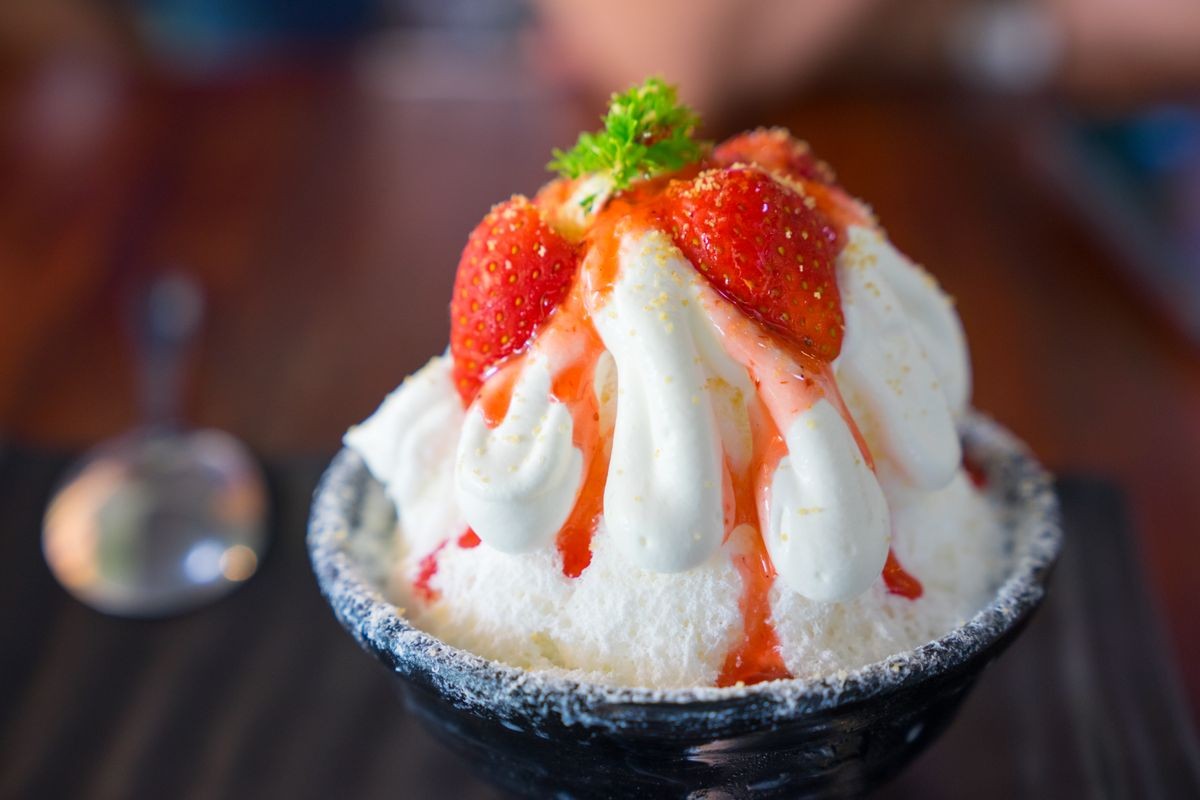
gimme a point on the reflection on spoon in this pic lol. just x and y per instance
(154, 522)
(160, 519)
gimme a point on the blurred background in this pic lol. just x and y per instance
(315, 165)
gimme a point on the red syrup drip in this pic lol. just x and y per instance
(899, 581)
(496, 394)
(975, 472)
(429, 566)
(425, 572)
(756, 657)
(575, 387)
(895, 577)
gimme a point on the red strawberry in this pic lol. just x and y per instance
(775, 150)
(766, 248)
(514, 271)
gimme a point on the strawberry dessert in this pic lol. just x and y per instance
(697, 424)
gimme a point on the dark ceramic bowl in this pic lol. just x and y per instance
(543, 735)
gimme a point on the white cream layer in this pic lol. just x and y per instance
(409, 444)
(903, 359)
(663, 502)
(516, 483)
(828, 527)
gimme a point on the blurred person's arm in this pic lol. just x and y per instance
(714, 49)
(1129, 48)
(724, 50)
(1096, 51)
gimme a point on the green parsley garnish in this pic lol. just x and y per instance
(646, 131)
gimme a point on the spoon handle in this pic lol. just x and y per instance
(169, 317)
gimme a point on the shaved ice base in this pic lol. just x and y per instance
(621, 625)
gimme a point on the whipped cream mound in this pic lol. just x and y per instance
(519, 479)
(662, 500)
(680, 383)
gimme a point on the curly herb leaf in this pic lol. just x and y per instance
(646, 131)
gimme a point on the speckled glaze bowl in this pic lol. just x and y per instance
(542, 735)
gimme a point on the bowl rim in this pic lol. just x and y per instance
(1016, 481)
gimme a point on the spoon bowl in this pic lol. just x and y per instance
(156, 522)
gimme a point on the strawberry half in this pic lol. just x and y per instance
(514, 271)
(767, 249)
(775, 150)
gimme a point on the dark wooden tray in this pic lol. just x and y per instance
(262, 695)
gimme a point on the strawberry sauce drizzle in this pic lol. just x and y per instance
(428, 566)
(628, 211)
(756, 657)
(975, 472)
(496, 393)
(425, 572)
(898, 580)
(575, 387)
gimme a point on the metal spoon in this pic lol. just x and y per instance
(160, 519)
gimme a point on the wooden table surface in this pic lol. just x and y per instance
(263, 695)
(324, 209)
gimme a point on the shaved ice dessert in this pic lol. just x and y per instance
(697, 425)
